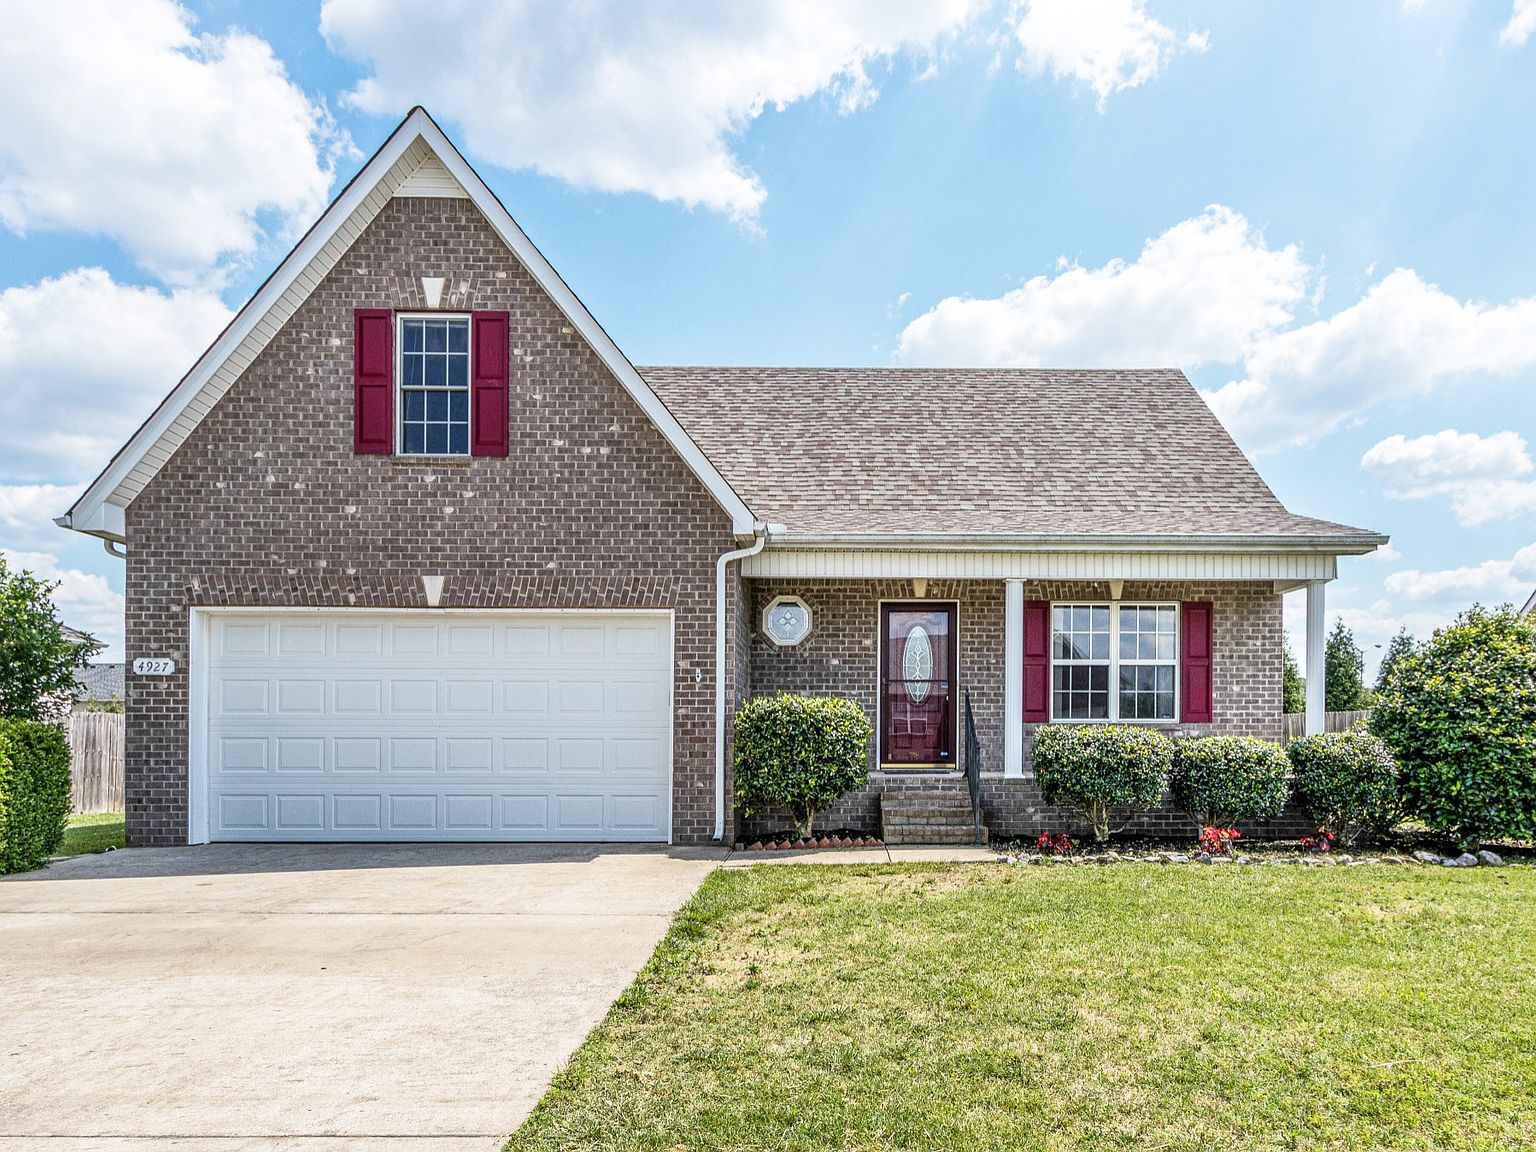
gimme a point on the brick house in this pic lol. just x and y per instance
(414, 552)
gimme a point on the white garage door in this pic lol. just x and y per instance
(439, 726)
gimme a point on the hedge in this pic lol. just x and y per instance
(34, 792)
(799, 752)
(1459, 713)
(1224, 780)
(1348, 782)
(1096, 767)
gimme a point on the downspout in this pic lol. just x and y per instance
(761, 531)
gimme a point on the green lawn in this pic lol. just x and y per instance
(94, 833)
(1134, 1006)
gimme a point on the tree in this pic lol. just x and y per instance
(1402, 645)
(37, 660)
(1293, 685)
(1343, 672)
(1459, 713)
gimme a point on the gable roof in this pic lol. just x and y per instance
(1530, 606)
(1039, 453)
(417, 159)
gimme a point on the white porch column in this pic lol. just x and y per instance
(1013, 678)
(1316, 668)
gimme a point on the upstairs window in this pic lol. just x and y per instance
(1114, 662)
(433, 374)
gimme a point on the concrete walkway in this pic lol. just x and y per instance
(344, 997)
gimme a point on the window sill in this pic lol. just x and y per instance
(432, 461)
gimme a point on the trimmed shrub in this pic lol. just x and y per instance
(1225, 780)
(1347, 782)
(34, 792)
(799, 752)
(1097, 767)
(1459, 713)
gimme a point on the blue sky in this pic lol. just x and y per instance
(1323, 213)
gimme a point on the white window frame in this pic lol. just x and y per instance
(1114, 607)
(399, 394)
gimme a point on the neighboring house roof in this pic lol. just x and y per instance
(99, 682)
(1530, 606)
(417, 158)
(982, 452)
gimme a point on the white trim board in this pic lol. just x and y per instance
(415, 142)
(890, 564)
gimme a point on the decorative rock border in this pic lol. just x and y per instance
(786, 845)
(1485, 858)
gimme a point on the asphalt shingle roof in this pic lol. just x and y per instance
(959, 451)
(100, 682)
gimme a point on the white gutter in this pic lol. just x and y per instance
(761, 530)
(958, 541)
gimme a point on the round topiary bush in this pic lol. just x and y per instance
(1459, 714)
(34, 792)
(1096, 767)
(1347, 782)
(1229, 779)
(799, 752)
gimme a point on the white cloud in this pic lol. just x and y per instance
(626, 97)
(84, 600)
(1105, 45)
(120, 120)
(1478, 473)
(1406, 337)
(1492, 581)
(1522, 22)
(1208, 290)
(83, 360)
(27, 512)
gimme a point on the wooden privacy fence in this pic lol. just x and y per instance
(96, 761)
(1296, 722)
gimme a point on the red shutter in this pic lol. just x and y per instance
(373, 381)
(1195, 662)
(1037, 661)
(488, 386)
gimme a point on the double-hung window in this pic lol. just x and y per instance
(1114, 662)
(433, 373)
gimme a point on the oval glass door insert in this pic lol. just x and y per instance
(917, 664)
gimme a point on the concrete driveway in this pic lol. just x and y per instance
(304, 997)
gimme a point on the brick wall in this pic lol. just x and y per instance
(266, 505)
(840, 658)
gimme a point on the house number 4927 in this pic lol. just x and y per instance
(153, 666)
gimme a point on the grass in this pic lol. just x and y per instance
(94, 833)
(1136, 1006)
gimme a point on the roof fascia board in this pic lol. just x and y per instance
(91, 512)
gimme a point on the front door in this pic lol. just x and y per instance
(917, 689)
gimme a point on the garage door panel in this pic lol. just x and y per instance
(306, 639)
(579, 812)
(357, 697)
(303, 812)
(470, 812)
(414, 639)
(301, 754)
(358, 754)
(497, 726)
(361, 813)
(412, 811)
